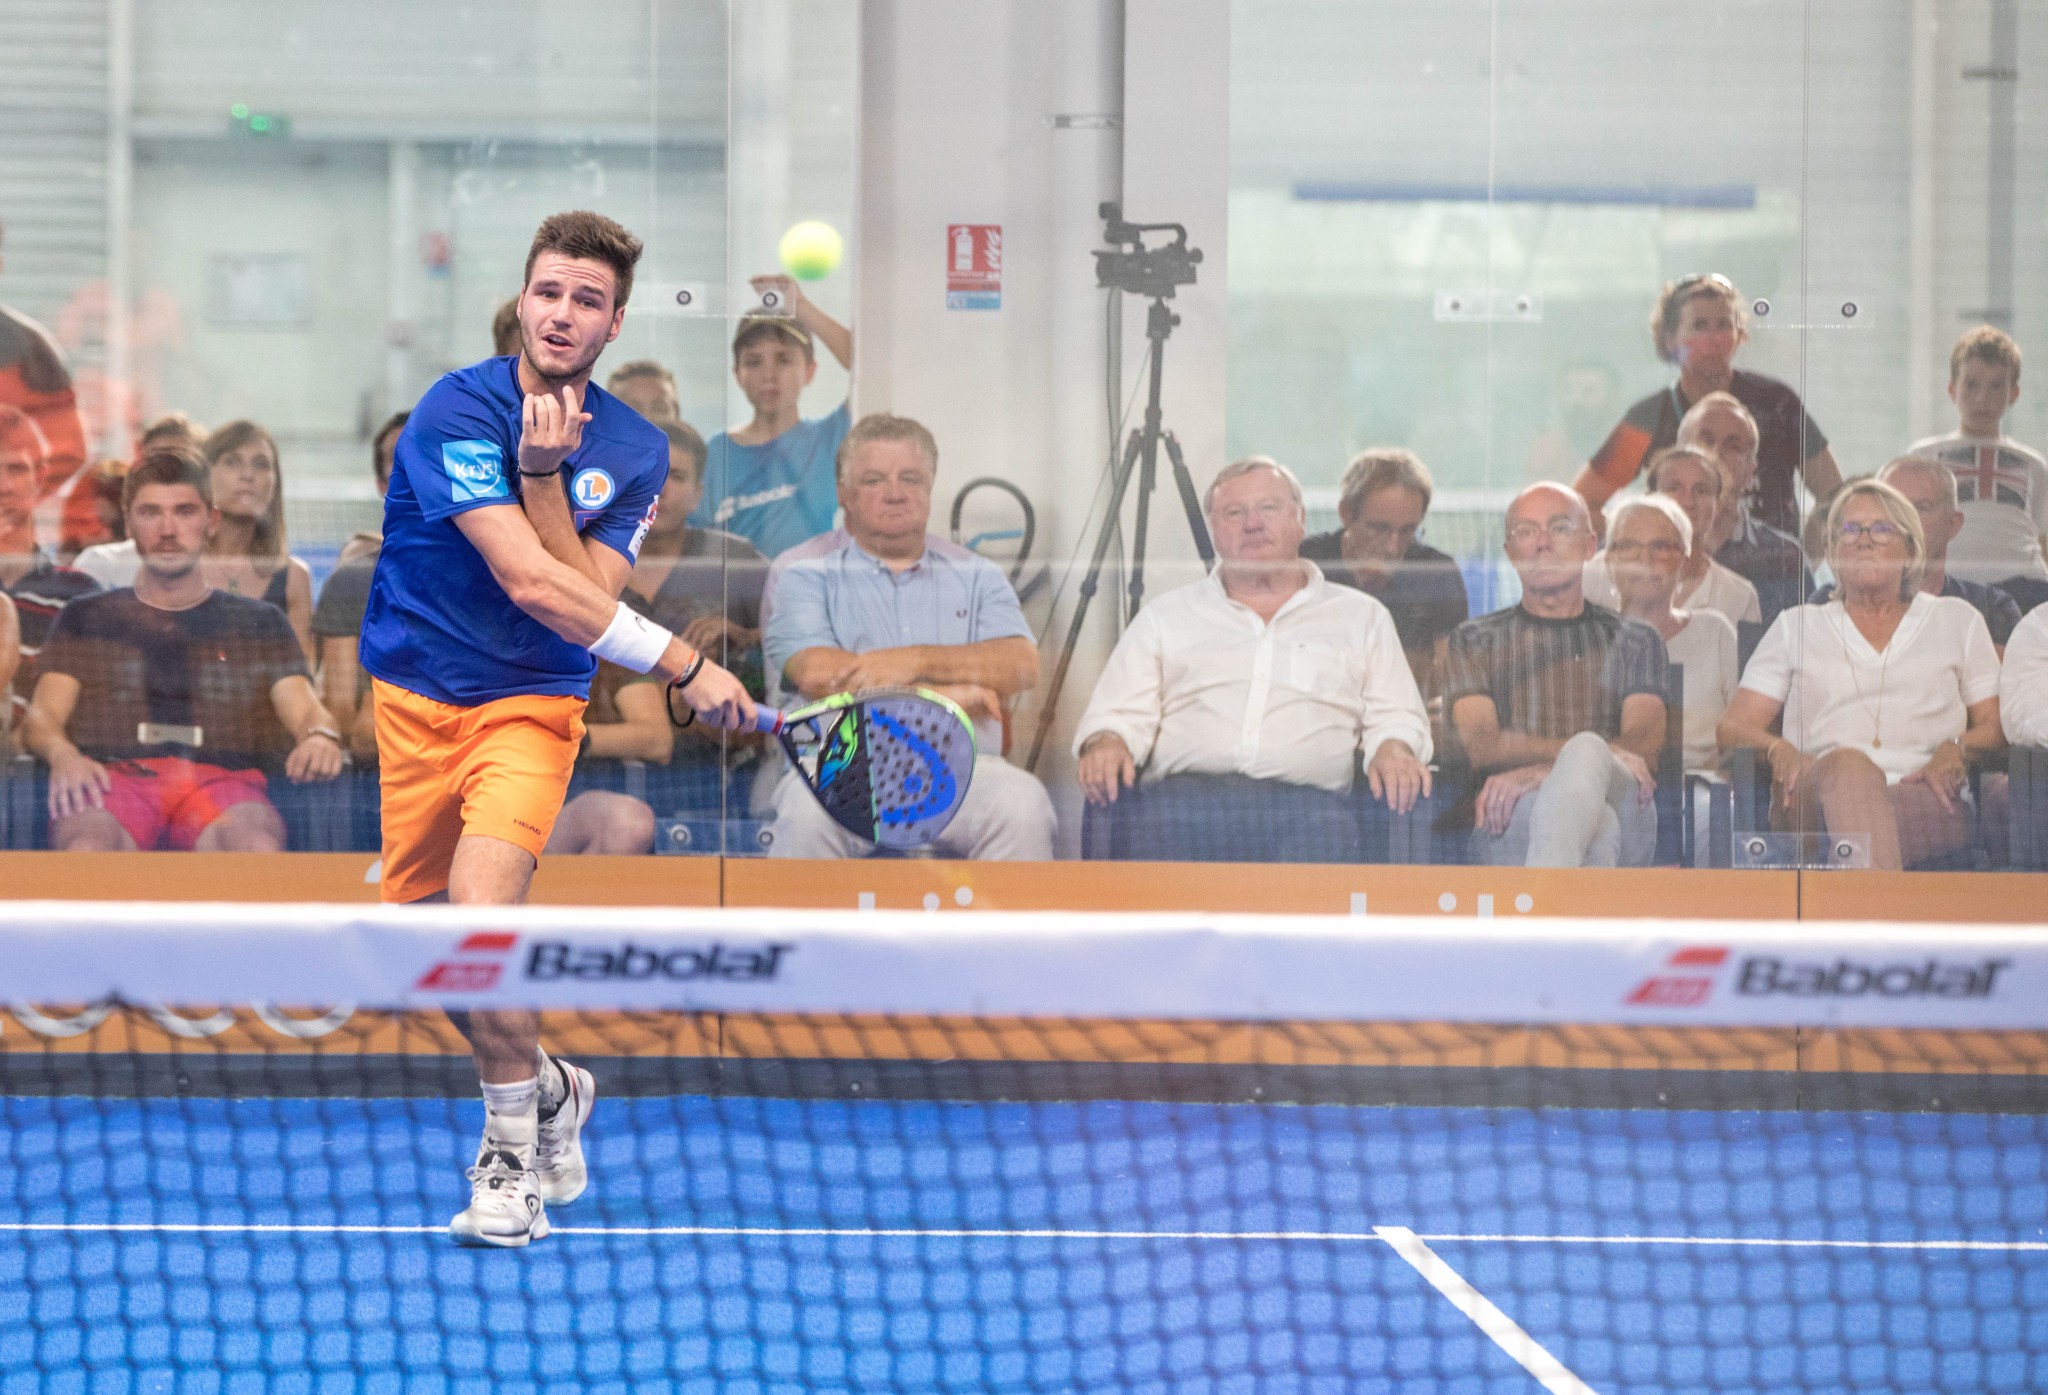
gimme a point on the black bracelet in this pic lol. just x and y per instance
(541, 474)
(676, 685)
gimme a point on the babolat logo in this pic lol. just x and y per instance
(1846, 978)
(551, 959)
(479, 961)
(1760, 976)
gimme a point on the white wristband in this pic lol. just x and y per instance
(632, 640)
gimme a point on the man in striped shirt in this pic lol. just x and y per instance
(1559, 705)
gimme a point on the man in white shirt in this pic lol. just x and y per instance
(1261, 675)
(2023, 683)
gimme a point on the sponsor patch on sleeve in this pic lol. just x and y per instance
(475, 470)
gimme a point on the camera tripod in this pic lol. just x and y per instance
(1141, 456)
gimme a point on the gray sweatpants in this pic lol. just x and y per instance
(1588, 812)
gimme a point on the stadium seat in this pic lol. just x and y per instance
(1225, 818)
(2027, 828)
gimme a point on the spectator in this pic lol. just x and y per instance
(1888, 693)
(1768, 558)
(2023, 682)
(1378, 549)
(704, 585)
(1585, 402)
(338, 619)
(893, 605)
(1931, 489)
(2003, 486)
(1262, 673)
(156, 705)
(1699, 323)
(10, 660)
(37, 586)
(774, 480)
(505, 329)
(1559, 705)
(246, 555)
(647, 388)
(1647, 544)
(114, 563)
(1694, 481)
(92, 510)
(35, 382)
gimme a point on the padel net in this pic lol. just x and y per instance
(1030, 1153)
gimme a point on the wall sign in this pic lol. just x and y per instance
(974, 266)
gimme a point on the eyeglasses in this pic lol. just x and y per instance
(1663, 549)
(1559, 529)
(1879, 533)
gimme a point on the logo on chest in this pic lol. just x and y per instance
(592, 488)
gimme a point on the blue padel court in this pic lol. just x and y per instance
(751, 1245)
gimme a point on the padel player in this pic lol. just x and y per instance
(519, 497)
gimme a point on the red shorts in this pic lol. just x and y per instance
(166, 802)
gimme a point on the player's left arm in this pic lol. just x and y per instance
(317, 752)
(550, 430)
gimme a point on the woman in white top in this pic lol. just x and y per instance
(1888, 693)
(1647, 543)
(1692, 479)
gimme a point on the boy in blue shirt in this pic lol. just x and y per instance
(772, 481)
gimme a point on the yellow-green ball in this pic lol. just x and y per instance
(810, 251)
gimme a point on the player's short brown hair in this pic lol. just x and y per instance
(683, 437)
(589, 237)
(1676, 295)
(166, 465)
(880, 426)
(1986, 344)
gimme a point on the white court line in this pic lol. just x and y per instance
(1507, 1334)
(1377, 1236)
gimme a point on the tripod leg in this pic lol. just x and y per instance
(1089, 584)
(1198, 526)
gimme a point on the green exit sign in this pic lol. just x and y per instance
(263, 125)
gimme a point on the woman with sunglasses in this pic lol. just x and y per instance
(1699, 323)
(1889, 694)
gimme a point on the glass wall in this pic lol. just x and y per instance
(1472, 248)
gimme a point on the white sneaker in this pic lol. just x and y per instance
(558, 1144)
(505, 1207)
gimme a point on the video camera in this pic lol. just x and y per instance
(1142, 270)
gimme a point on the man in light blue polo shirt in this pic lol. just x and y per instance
(887, 604)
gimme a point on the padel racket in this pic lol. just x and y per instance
(890, 765)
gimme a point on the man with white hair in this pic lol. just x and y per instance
(1263, 678)
(1559, 705)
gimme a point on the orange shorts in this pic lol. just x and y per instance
(498, 769)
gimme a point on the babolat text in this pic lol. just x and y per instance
(692, 963)
(1845, 978)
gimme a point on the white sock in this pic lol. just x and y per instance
(509, 1118)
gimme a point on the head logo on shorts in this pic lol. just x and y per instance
(592, 489)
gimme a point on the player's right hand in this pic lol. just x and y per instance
(77, 783)
(718, 698)
(550, 430)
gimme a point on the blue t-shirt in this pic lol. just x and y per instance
(774, 495)
(438, 623)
